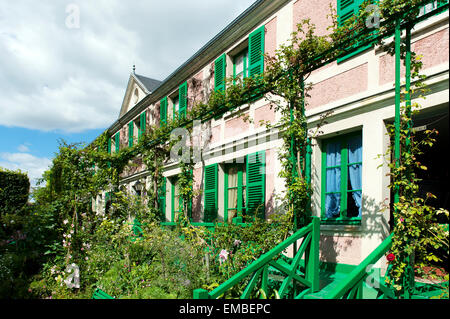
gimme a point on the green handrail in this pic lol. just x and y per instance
(351, 286)
(259, 268)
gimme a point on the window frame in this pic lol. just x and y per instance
(242, 183)
(180, 200)
(175, 113)
(243, 52)
(342, 219)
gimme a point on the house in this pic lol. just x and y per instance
(349, 179)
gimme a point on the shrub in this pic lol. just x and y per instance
(14, 191)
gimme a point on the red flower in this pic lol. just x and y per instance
(390, 257)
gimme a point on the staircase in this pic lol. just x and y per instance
(302, 277)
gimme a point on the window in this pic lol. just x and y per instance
(240, 66)
(342, 179)
(245, 187)
(177, 203)
(176, 107)
(136, 96)
(235, 184)
(177, 200)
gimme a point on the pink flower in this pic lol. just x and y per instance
(390, 257)
(223, 256)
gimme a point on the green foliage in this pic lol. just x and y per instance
(14, 191)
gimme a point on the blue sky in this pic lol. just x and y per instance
(64, 65)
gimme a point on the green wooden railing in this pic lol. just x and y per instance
(352, 286)
(100, 294)
(256, 275)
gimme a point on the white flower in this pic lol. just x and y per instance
(69, 235)
(65, 221)
(237, 242)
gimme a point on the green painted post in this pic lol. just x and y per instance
(308, 172)
(397, 103)
(200, 294)
(312, 271)
(408, 280)
(408, 87)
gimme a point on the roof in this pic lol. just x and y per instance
(150, 84)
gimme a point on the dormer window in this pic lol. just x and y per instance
(136, 96)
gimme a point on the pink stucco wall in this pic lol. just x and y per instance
(433, 48)
(340, 249)
(270, 40)
(215, 134)
(317, 11)
(236, 126)
(338, 87)
(264, 113)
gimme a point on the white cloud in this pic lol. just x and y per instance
(54, 77)
(23, 148)
(32, 165)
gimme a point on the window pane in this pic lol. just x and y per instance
(233, 176)
(355, 149)
(232, 198)
(176, 201)
(354, 204)
(332, 205)
(333, 182)
(231, 214)
(176, 105)
(333, 154)
(354, 177)
(239, 64)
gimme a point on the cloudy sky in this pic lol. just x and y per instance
(64, 65)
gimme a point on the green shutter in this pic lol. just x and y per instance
(211, 192)
(256, 52)
(162, 199)
(220, 73)
(117, 141)
(130, 133)
(256, 182)
(182, 100)
(346, 10)
(163, 112)
(142, 124)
